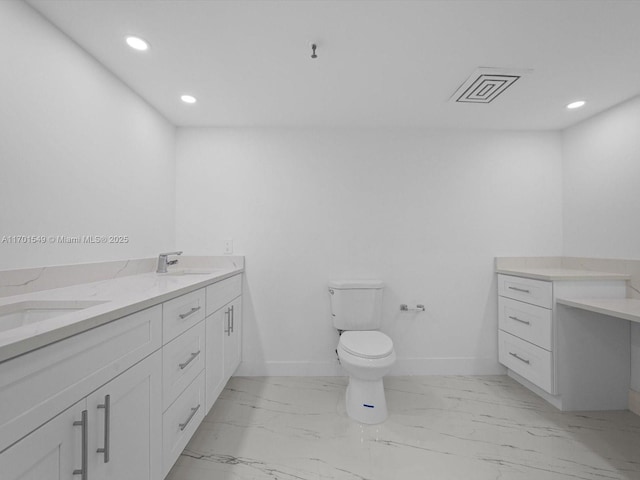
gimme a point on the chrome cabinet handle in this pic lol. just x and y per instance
(84, 423)
(519, 320)
(520, 358)
(519, 289)
(193, 412)
(190, 312)
(191, 359)
(107, 427)
(227, 314)
(233, 318)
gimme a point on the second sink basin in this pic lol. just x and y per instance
(19, 314)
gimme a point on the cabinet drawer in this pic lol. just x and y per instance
(221, 293)
(181, 420)
(37, 386)
(533, 363)
(182, 313)
(529, 322)
(536, 292)
(182, 361)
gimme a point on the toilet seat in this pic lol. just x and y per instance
(366, 343)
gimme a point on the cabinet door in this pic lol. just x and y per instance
(52, 452)
(232, 337)
(214, 368)
(126, 420)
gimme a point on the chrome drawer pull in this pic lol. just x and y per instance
(193, 412)
(190, 312)
(518, 320)
(520, 358)
(107, 427)
(519, 289)
(84, 423)
(191, 359)
(233, 317)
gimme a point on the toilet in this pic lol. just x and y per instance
(366, 354)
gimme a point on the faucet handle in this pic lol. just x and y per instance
(170, 253)
(163, 262)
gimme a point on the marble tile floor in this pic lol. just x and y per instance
(439, 427)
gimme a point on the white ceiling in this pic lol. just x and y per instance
(380, 63)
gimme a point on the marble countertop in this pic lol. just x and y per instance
(625, 308)
(120, 296)
(551, 274)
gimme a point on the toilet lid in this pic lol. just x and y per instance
(366, 344)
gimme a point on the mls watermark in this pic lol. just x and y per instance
(64, 239)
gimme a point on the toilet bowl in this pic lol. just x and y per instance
(365, 353)
(367, 356)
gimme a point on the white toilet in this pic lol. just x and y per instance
(366, 354)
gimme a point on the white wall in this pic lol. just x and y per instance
(601, 207)
(426, 211)
(79, 152)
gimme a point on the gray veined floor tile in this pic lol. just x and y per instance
(439, 427)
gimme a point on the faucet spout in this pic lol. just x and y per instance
(163, 261)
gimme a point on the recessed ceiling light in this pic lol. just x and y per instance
(188, 99)
(577, 104)
(137, 43)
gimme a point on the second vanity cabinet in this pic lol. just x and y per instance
(122, 400)
(525, 319)
(573, 363)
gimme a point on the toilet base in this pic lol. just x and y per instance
(366, 402)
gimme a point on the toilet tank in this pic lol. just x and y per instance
(356, 304)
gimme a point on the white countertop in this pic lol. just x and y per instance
(625, 308)
(122, 296)
(551, 274)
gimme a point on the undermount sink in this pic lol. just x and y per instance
(19, 314)
(187, 271)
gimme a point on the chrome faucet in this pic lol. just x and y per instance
(163, 263)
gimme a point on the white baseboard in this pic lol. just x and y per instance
(414, 366)
(289, 369)
(634, 401)
(448, 366)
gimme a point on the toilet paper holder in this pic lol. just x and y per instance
(405, 308)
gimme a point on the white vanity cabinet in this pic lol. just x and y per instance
(574, 364)
(121, 400)
(112, 433)
(224, 334)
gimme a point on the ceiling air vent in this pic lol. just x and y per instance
(486, 84)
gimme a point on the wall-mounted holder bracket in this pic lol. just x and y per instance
(405, 308)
